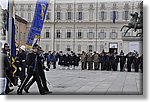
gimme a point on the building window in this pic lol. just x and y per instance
(91, 15)
(90, 34)
(68, 35)
(69, 15)
(79, 15)
(102, 34)
(102, 15)
(79, 48)
(47, 34)
(126, 15)
(58, 34)
(79, 35)
(29, 16)
(113, 34)
(48, 16)
(114, 13)
(29, 7)
(90, 48)
(22, 7)
(102, 6)
(58, 15)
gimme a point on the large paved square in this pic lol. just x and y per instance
(90, 82)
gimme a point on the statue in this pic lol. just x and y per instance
(135, 23)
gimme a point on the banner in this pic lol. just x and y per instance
(114, 16)
(38, 21)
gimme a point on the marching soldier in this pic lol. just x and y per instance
(22, 62)
(33, 70)
(41, 74)
(83, 60)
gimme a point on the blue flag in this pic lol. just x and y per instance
(38, 21)
(114, 16)
(13, 45)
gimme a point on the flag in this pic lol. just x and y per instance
(13, 45)
(38, 21)
(114, 16)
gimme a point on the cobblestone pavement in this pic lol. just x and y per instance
(65, 81)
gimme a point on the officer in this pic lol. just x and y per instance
(122, 61)
(90, 61)
(22, 62)
(83, 60)
(33, 70)
(41, 73)
(129, 61)
(96, 61)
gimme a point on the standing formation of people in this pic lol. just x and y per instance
(31, 65)
(109, 61)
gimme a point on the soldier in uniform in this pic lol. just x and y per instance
(129, 61)
(122, 60)
(33, 70)
(41, 74)
(90, 61)
(83, 60)
(22, 62)
(102, 61)
(96, 61)
(61, 60)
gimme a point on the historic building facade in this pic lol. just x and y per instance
(76, 25)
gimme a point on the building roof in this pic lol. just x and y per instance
(20, 19)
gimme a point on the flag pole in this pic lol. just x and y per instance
(10, 24)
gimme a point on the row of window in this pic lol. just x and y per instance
(79, 35)
(80, 15)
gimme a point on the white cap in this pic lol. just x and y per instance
(23, 48)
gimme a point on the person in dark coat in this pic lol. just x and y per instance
(129, 61)
(66, 58)
(102, 61)
(141, 62)
(136, 63)
(114, 62)
(60, 59)
(76, 60)
(122, 60)
(108, 62)
(33, 70)
(54, 59)
(41, 74)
